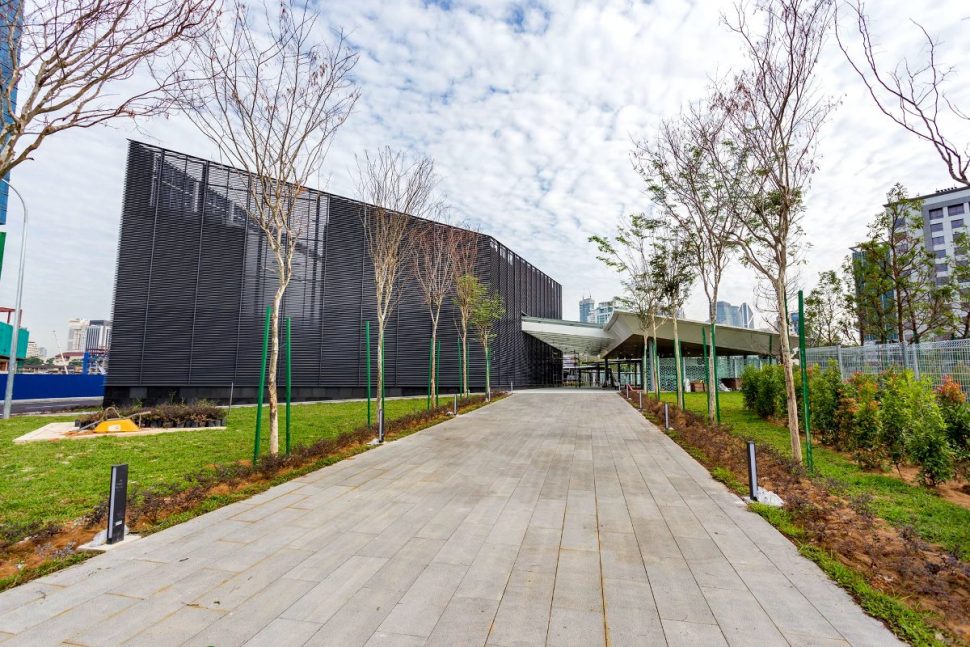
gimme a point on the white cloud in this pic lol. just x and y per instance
(529, 109)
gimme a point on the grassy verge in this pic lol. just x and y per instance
(909, 624)
(56, 482)
(901, 504)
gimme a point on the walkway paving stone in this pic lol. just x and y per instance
(549, 518)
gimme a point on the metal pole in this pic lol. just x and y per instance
(460, 372)
(707, 372)
(262, 384)
(380, 424)
(289, 379)
(232, 387)
(656, 367)
(804, 371)
(456, 404)
(838, 355)
(641, 399)
(915, 347)
(12, 363)
(666, 416)
(437, 374)
(367, 335)
(752, 472)
(383, 382)
(717, 381)
(488, 376)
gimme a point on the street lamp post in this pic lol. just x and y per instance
(12, 363)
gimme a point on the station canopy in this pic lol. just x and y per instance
(622, 337)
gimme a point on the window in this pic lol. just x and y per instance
(940, 253)
(938, 240)
(958, 222)
(937, 226)
(941, 267)
(941, 280)
(954, 209)
(936, 213)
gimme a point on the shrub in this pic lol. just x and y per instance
(914, 427)
(763, 389)
(826, 391)
(956, 416)
(860, 422)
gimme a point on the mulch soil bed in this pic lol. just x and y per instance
(153, 508)
(893, 560)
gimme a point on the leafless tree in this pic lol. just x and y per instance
(465, 256)
(434, 253)
(395, 188)
(774, 112)
(911, 94)
(270, 97)
(685, 180)
(75, 64)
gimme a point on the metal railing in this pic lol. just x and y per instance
(933, 359)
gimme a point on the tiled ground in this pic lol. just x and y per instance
(547, 518)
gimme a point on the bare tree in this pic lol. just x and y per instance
(270, 97)
(465, 251)
(685, 180)
(774, 113)
(75, 64)
(672, 272)
(395, 188)
(434, 247)
(912, 94)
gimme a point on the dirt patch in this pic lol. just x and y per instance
(893, 560)
(25, 552)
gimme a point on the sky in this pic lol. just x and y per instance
(529, 110)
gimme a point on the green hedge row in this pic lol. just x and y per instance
(888, 419)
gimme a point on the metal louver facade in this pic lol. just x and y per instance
(194, 277)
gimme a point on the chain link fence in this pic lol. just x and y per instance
(933, 359)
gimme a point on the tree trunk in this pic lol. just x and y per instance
(274, 354)
(380, 361)
(680, 378)
(434, 357)
(488, 376)
(791, 402)
(464, 359)
(654, 368)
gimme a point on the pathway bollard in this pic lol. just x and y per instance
(117, 501)
(641, 400)
(752, 472)
(456, 404)
(380, 424)
(666, 416)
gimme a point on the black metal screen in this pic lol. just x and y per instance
(195, 275)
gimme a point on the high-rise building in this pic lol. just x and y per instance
(603, 312)
(7, 57)
(730, 315)
(945, 216)
(33, 350)
(98, 336)
(77, 335)
(586, 307)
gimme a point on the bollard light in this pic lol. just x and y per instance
(456, 404)
(117, 501)
(666, 416)
(752, 472)
(380, 424)
(641, 400)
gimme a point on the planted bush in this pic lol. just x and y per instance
(956, 415)
(763, 389)
(827, 390)
(861, 422)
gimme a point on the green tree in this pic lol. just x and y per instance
(870, 300)
(672, 271)
(896, 258)
(487, 311)
(960, 273)
(629, 253)
(827, 322)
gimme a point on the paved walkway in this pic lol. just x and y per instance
(556, 518)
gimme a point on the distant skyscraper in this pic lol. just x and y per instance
(98, 336)
(7, 58)
(77, 335)
(586, 306)
(730, 315)
(603, 312)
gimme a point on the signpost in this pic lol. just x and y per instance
(117, 501)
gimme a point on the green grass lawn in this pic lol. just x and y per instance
(933, 518)
(55, 482)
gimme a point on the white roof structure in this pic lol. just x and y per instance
(622, 337)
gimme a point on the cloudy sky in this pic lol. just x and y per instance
(529, 109)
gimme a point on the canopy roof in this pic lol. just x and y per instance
(622, 337)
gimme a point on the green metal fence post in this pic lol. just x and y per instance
(656, 367)
(717, 381)
(289, 379)
(262, 385)
(707, 372)
(643, 367)
(367, 335)
(803, 366)
(383, 379)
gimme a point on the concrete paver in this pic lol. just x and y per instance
(551, 518)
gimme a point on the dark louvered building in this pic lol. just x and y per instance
(194, 278)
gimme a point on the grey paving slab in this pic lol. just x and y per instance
(553, 518)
